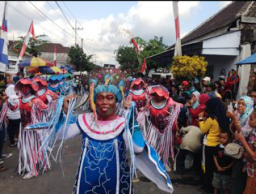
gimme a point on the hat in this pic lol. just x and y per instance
(222, 77)
(185, 83)
(207, 79)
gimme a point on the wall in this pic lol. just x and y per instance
(221, 62)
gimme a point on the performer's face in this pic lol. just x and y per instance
(106, 104)
(158, 98)
(25, 89)
(138, 87)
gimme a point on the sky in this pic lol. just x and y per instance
(106, 25)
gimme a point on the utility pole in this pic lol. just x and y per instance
(76, 30)
(82, 43)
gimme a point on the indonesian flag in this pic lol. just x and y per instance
(144, 67)
(4, 63)
(177, 51)
(135, 44)
(55, 56)
(31, 33)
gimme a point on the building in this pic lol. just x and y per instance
(47, 52)
(109, 66)
(224, 39)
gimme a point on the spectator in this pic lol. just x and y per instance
(3, 108)
(253, 95)
(241, 123)
(174, 92)
(202, 99)
(205, 82)
(223, 165)
(233, 80)
(215, 121)
(250, 155)
(193, 104)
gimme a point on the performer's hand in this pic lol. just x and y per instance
(127, 103)
(66, 102)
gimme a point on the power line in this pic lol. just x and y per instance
(59, 15)
(50, 19)
(70, 12)
(64, 14)
(38, 24)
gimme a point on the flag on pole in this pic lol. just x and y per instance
(135, 44)
(177, 51)
(55, 56)
(4, 42)
(144, 67)
(31, 33)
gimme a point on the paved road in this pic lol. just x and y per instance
(57, 181)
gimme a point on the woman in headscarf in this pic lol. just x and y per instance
(241, 123)
(215, 121)
(195, 108)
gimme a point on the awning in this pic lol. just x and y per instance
(248, 60)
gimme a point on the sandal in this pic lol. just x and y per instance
(2, 168)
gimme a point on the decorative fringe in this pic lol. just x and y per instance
(161, 142)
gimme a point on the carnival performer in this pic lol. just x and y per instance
(31, 107)
(104, 166)
(43, 93)
(158, 122)
(54, 82)
(138, 93)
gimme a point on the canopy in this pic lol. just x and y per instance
(249, 60)
(49, 70)
(35, 62)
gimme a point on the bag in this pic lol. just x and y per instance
(234, 150)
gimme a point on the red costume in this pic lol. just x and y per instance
(42, 95)
(32, 111)
(158, 122)
(138, 94)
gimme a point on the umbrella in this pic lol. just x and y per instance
(35, 62)
(49, 70)
(249, 60)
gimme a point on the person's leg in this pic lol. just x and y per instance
(2, 137)
(209, 167)
(180, 160)
(17, 128)
(11, 131)
(238, 178)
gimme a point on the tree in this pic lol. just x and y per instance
(34, 46)
(80, 59)
(127, 58)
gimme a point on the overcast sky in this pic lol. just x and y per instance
(106, 24)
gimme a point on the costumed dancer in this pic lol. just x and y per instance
(138, 94)
(29, 142)
(43, 93)
(54, 82)
(104, 166)
(158, 122)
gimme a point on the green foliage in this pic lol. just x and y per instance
(34, 47)
(128, 59)
(80, 59)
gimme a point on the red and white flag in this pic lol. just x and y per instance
(55, 56)
(31, 33)
(177, 51)
(144, 67)
(135, 44)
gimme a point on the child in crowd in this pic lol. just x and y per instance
(250, 155)
(223, 165)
